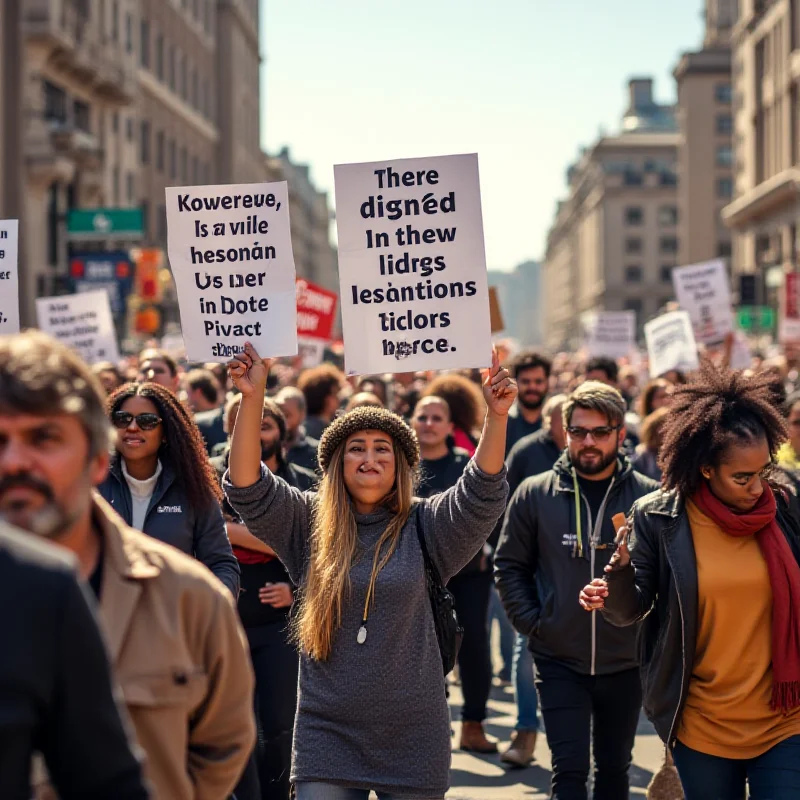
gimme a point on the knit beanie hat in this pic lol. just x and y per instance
(368, 418)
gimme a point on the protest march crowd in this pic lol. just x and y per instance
(264, 551)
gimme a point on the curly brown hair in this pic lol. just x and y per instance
(464, 398)
(184, 449)
(719, 408)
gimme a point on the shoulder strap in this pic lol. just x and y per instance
(433, 573)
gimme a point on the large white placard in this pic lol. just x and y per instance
(81, 321)
(671, 344)
(9, 276)
(704, 291)
(412, 265)
(230, 250)
(609, 333)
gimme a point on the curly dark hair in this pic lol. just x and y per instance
(464, 398)
(184, 449)
(717, 409)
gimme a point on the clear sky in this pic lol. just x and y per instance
(524, 83)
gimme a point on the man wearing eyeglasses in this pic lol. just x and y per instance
(558, 530)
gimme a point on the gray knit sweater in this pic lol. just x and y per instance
(374, 716)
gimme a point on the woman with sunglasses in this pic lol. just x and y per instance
(713, 568)
(161, 481)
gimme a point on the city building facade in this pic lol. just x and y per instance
(522, 302)
(763, 213)
(615, 238)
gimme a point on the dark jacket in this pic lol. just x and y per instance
(539, 574)
(303, 453)
(646, 462)
(211, 427)
(55, 682)
(518, 427)
(660, 586)
(196, 532)
(531, 455)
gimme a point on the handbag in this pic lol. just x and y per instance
(449, 632)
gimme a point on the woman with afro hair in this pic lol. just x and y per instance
(713, 570)
(161, 481)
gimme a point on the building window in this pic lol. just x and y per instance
(128, 33)
(633, 245)
(724, 156)
(115, 122)
(724, 188)
(668, 244)
(145, 142)
(633, 304)
(171, 68)
(115, 185)
(724, 249)
(666, 273)
(195, 170)
(160, 151)
(184, 79)
(724, 124)
(634, 215)
(184, 165)
(55, 103)
(173, 159)
(669, 178)
(160, 57)
(194, 97)
(130, 188)
(144, 44)
(723, 93)
(83, 121)
(633, 178)
(114, 20)
(633, 274)
(667, 216)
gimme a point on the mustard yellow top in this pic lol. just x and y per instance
(727, 711)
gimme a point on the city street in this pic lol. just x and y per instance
(483, 778)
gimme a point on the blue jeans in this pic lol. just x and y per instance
(524, 686)
(496, 611)
(775, 775)
(327, 791)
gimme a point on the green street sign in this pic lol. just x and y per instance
(756, 318)
(105, 223)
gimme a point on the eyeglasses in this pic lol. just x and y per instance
(145, 422)
(598, 434)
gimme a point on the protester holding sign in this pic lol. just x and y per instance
(161, 482)
(715, 569)
(372, 713)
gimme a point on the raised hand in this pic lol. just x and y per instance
(248, 371)
(499, 388)
(593, 596)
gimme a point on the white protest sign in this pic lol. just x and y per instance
(311, 351)
(609, 333)
(412, 266)
(741, 356)
(671, 344)
(230, 250)
(704, 291)
(9, 276)
(82, 322)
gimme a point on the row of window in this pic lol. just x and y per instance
(169, 158)
(634, 273)
(173, 67)
(666, 244)
(667, 215)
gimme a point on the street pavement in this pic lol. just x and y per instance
(483, 778)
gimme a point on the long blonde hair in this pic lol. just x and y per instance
(334, 548)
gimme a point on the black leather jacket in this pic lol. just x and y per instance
(660, 586)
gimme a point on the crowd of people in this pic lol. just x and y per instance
(247, 598)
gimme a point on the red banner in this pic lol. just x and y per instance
(792, 295)
(316, 310)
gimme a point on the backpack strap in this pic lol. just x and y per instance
(434, 578)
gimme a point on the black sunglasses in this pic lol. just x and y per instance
(145, 422)
(598, 434)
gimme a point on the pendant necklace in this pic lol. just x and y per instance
(362, 631)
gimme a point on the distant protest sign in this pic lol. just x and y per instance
(609, 333)
(230, 250)
(412, 265)
(671, 344)
(316, 313)
(82, 322)
(9, 276)
(789, 326)
(704, 291)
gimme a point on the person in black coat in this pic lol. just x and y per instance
(56, 692)
(161, 481)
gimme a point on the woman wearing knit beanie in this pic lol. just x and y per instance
(372, 713)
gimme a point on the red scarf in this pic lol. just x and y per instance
(784, 577)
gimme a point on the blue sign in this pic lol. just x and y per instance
(110, 271)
